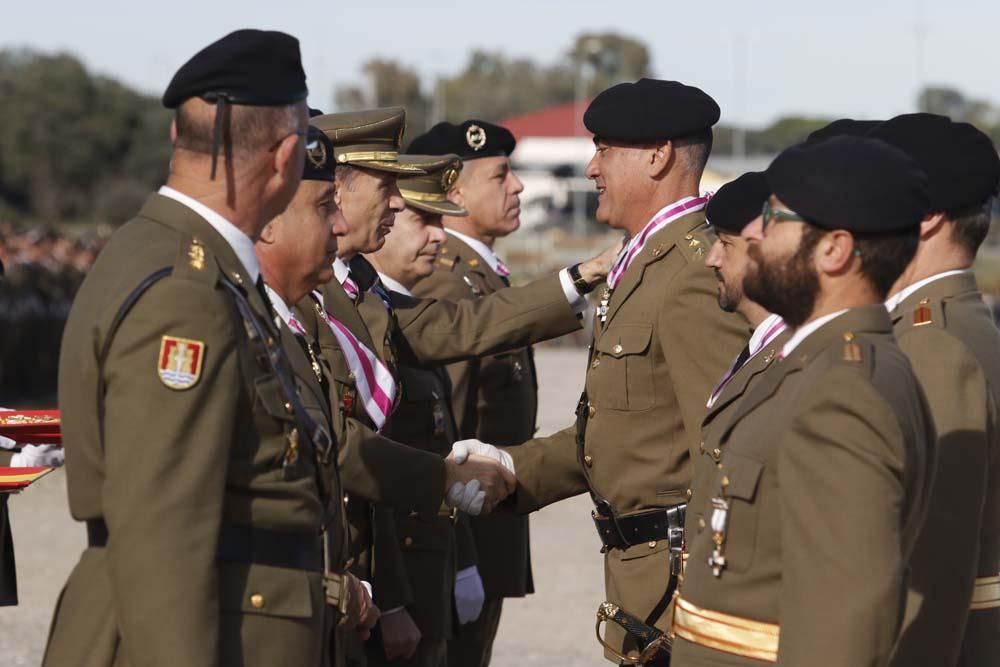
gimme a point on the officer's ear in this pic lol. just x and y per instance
(173, 130)
(931, 225)
(283, 157)
(661, 157)
(835, 252)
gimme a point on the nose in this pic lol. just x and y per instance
(516, 186)
(714, 258)
(339, 225)
(396, 201)
(438, 235)
(754, 231)
(592, 171)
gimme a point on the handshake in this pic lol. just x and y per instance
(479, 476)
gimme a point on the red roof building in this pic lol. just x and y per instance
(562, 120)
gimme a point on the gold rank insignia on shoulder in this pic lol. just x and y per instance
(473, 262)
(180, 362)
(447, 262)
(922, 314)
(851, 350)
(196, 255)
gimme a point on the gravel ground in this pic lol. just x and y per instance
(552, 627)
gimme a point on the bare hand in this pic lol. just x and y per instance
(496, 481)
(362, 614)
(596, 269)
(400, 635)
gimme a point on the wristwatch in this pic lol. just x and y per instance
(581, 285)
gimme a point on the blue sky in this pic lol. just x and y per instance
(759, 58)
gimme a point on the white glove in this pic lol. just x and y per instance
(38, 456)
(469, 595)
(463, 448)
(7, 443)
(467, 497)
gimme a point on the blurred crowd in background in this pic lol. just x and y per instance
(43, 269)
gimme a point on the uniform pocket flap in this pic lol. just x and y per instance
(743, 475)
(271, 397)
(644, 550)
(264, 589)
(625, 339)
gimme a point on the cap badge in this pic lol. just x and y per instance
(448, 178)
(180, 362)
(475, 136)
(316, 153)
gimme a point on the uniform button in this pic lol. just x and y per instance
(257, 601)
(408, 541)
(288, 408)
(652, 545)
(717, 453)
(591, 411)
(588, 460)
(617, 349)
(596, 362)
(689, 492)
(725, 480)
(701, 447)
(701, 522)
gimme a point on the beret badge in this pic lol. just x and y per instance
(475, 136)
(316, 154)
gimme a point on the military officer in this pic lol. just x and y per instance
(948, 334)
(494, 398)
(732, 208)
(650, 369)
(825, 471)
(416, 630)
(197, 452)
(397, 327)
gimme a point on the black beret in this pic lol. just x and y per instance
(961, 162)
(844, 127)
(738, 202)
(253, 67)
(650, 110)
(313, 112)
(468, 140)
(319, 162)
(853, 183)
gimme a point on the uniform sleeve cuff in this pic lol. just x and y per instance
(577, 301)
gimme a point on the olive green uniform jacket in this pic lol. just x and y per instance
(826, 467)
(494, 399)
(949, 335)
(174, 467)
(653, 364)
(708, 460)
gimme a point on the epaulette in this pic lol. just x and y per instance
(927, 313)
(855, 352)
(697, 242)
(196, 262)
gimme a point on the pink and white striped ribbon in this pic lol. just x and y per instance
(375, 383)
(775, 329)
(351, 288)
(502, 269)
(663, 218)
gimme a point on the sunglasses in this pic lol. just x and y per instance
(770, 214)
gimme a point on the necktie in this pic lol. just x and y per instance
(351, 288)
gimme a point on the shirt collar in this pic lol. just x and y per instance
(484, 250)
(234, 236)
(760, 333)
(393, 284)
(341, 270)
(893, 301)
(805, 330)
(281, 309)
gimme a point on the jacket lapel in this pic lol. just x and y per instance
(462, 251)
(738, 384)
(302, 367)
(340, 306)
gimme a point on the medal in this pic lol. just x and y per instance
(438, 419)
(602, 311)
(720, 517)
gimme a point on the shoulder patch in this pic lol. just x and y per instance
(696, 243)
(180, 362)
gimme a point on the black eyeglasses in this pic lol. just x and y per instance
(770, 214)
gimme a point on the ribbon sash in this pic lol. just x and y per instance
(659, 221)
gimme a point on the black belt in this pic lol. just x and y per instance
(665, 523)
(242, 544)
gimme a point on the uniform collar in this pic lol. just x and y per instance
(759, 336)
(805, 330)
(394, 285)
(281, 309)
(893, 301)
(481, 248)
(234, 236)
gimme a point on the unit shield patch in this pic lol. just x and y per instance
(180, 362)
